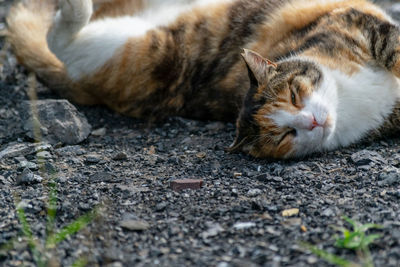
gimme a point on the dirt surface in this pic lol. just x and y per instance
(235, 219)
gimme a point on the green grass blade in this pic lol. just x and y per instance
(70, 229)
(51, 209)
(369, 239)
(26, 230)
(331, 258)
(350, 221)
(352, 240)
(81, 262)
(366, 227)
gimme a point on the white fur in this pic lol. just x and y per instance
(364, 101)
(354, 104)
(84, 48)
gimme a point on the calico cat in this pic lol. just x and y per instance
(330, 78)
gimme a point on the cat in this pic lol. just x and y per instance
(298, 76)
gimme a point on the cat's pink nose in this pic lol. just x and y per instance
(314, 124)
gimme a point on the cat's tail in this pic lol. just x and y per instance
(28, 23)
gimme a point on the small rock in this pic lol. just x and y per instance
(105, 177)
(201, 155)
(120, 156)
(292, 222)
(135, 225)
(70, 151)
(391, 178)
(44, 155)
(365, 157)
(28, 177)
(178, 185)
(22, 149)
(92, 159)
(213, 230)
(254, 192)
(99, 132)
(243, 225)
(312, 260)
(290, 212)
(161, 206)
(328, 212)
(58, 120)
(27, 164)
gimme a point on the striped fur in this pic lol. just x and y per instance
(185, 59)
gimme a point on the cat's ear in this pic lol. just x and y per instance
(259, 68)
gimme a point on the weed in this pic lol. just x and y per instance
(40, 252)
(356, 239)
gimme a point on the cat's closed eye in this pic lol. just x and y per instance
(293, 97)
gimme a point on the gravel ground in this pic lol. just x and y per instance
(235, 219)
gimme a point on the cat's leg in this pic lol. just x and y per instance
(85, 47)
(384, 37)
(69, 20)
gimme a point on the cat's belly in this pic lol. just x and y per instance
(365, 100)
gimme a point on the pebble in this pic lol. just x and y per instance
(44, 155)
(99, 132)
(105, 177)
(161, 206)
(70, 151)
(388, 179)
(213, 230)
(22, 149)
(201, 155)
(243, 225)
(28, 177)
(365, 157)
(254, 192)
(328, 212)
(92, 159)
(178, 185)
(135, 225)
(120, 156)
(290, 212)
(27, 164)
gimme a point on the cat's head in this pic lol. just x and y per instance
(289, 110)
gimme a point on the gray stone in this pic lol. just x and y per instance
(99, 132)
(328, 212)
(28, 177)
(58, 122)
(135, 225)
(254, 192)
(243, 225)
(390, 178)
(105, 177)
(27, 164)
(44, 155)
(366, 157)
(92, 159)
(22, 149)
(213, 230)
(120, 156)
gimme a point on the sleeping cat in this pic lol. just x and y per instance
(298, 76)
